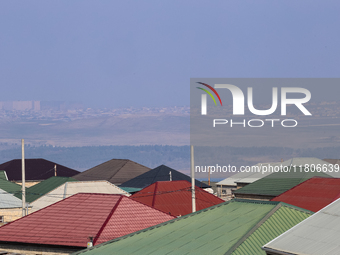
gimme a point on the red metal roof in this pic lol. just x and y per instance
(174, 197)
(313, 194)
(73, 220)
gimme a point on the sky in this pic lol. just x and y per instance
(119, 54)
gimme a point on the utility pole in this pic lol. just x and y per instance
(193, 198)
(209, 175)
(23, 189)
(55, 170)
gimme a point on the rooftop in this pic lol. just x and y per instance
(319, 234)
(115, 171)
(35, 169)
(174, 197)
(233, 227)
(73, 220)
(312, 194)
(160, 173)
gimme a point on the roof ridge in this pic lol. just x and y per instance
(101, 164)
(154, 195)
(252, 230)
(118, 169)
(296, 207)
(107, 220)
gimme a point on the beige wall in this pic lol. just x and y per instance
(12, 214)
(28, 183)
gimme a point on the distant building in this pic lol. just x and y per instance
(115, 171)
(20, 105)
(36, 170)
(160, 173)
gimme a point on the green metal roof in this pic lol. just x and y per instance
(40, 189)
(277, 183)
(3, 175)
(282, 220)
(10, 187)
(222, 229)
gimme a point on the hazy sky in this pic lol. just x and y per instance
(143, 53)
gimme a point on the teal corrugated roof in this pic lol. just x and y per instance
(40, 189)
(277, 183)
(130, 190)
(219, 229)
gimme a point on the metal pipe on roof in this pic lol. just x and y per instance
(192, 179)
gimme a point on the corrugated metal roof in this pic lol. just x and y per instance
(41, 188)
(160, 173)
(10, 187)
(174, 197)
(8, 200)
(3, 175)
(115, 171)
(282, 220)
(72, 221)
(35, 169)
(70, 188)
(317, 235)
(277, 183)
(130, 190)
(221, 229)
(313, 194)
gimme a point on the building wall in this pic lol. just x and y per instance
(11, 214)
(37, 249)
(225, 192)
(28, 183)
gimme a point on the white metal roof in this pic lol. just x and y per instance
(246, 177)
(317, 235)
(8, 200)
(71, 188)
